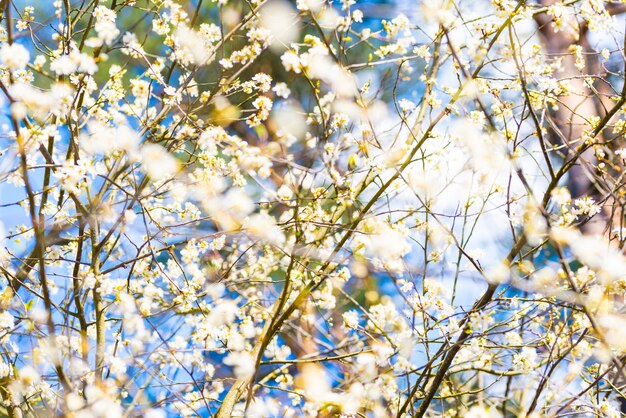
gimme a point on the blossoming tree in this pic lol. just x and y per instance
(312, 208)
